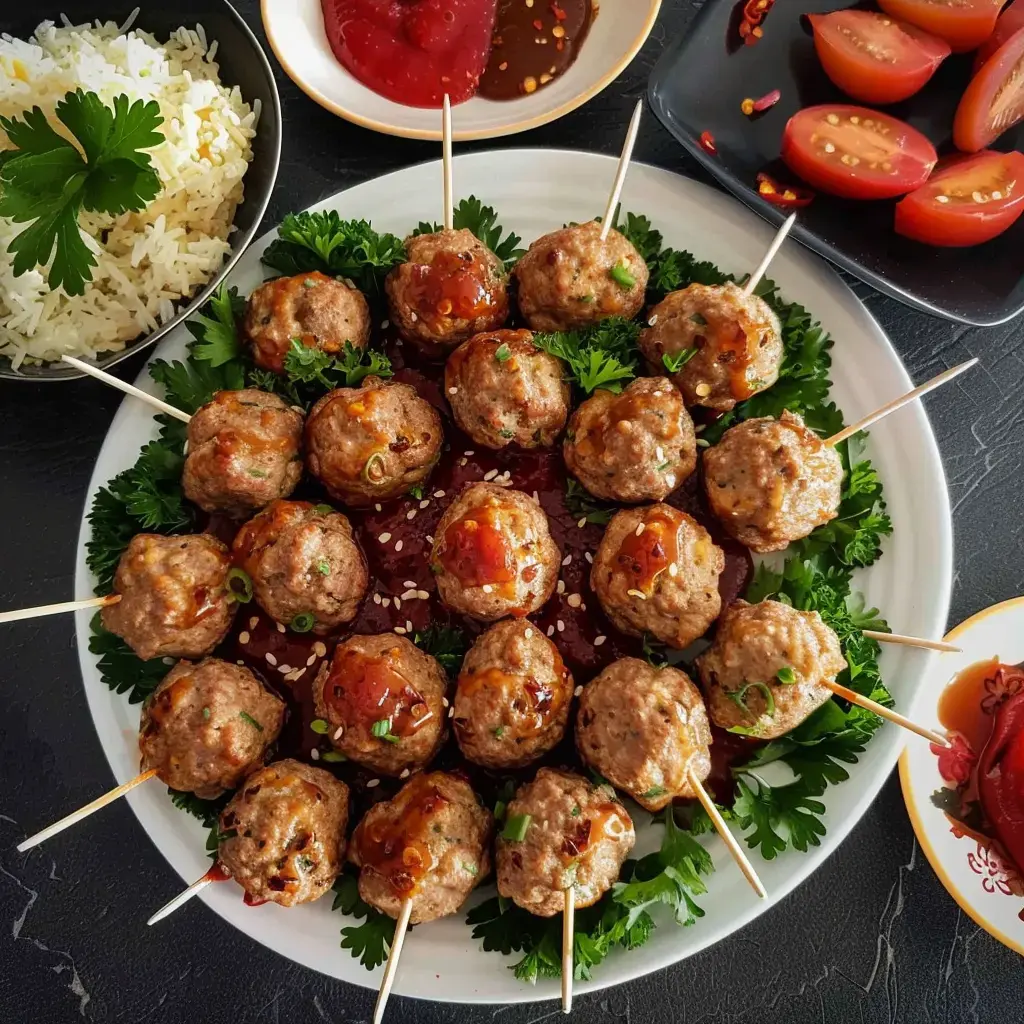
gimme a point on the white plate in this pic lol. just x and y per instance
(534, 192)
(985, 885)
(295, 29)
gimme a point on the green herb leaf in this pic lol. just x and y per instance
(246, 717)
(582, 505)
(654, 791)
(483, 222)
(370, 941)
(603, 356)
(323, 567)
(503, 353)
(516, 827)
(121, 668)
(498, 731)
(675, 362)
(786, 676)
(446, 644)
(216, 336)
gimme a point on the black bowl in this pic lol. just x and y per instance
(242, 63)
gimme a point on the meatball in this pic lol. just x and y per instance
(174, 596)
(513, 697)
(430, 844)
(383, 701)
(574, 833)
(206, 726)
(645, 729)
(493, 554)
(243, 452)
(319, 311)
(451, 288)
(304, 563)
(772, 482)
(504, 390)
(374, 442)
(283, 833)
(656, 571)
(633, 447)
(766, 670)
(729, 344)
(570, 279)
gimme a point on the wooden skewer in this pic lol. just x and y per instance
(738, 855)
(620, 174)
(568, 934)
(911, 641)
(401, 927)
(83, 812)
(56, 609)
(183, 897)
(898, 403)
(446, 156)
(128, 389)
(879, 709)
(780, 237)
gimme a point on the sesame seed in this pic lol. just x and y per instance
(240, 662)
(411, 514)
(284, 669)
(243, 638)
(469, 455)
(423, 595)
(444, 702)
(315, 754)
(280, 627)
(536, 497)
(413, 317)
(438, 494)
(575, 600)
(320, 649)
(561, 587)
(551, 630)
(653, 320)
(490, 474)
(430, 540)
(254, 622)
(582, 523)
(372, 783)
(311, 660)
(451, 711)
(598, 640)
(398, 546)
(640, 528)
(589, 557)
(424, 503)
(386, 602)
(271, 660)
(409, 585)
(638, 594)
(673, 569)
(561, 626)
(487, 588)
(577, 691)
(408, 625)
(527, 633)
(376, 597)
(400, 630)
(338, 732)
(398, 604)
(703, 390)
(409, 595)
(404, 774)
(462, 462)
(385, 324)
(376, 508)
(659, 454)
(384, 538)
(453, 391)
(567, 560)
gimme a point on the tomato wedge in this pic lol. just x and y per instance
(994, 99)
(969, 201)
(1010, 21)
(964, 24)
(856, 153)
(875, 58)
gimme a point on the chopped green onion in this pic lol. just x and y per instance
(576, 811)
(374, 469)
(737, 697)
(246, 717)
(585, 298)
(324, 510)
(516, 827)
(470, 868)
(320, 725)
(323, 567)
(416, 492)
(786, 676)
(206, 714)
(506, 433)
(382, 730)
(620, 275)
(503, 353)
(499, 810)
(258, 474)
(332, 756)
(302, 623)
(309, 283)
(239, 586)
(663, 467)
(498, 731)
(653, 792)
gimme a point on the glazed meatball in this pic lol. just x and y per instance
(645, 729)
(174, 596)
(383, 701)
(574, 834)
(243, 452)
(206, 726)
(451, 288)
(656, 571)
(319, 311)
(570, 279)
(493, 554)
(764, 673)
(772, 482)
(633, 447)
(304, 563)
(513, 696)
(374, 442)
(283, 833)
(430, 844)
(503, 390)
(735, 341)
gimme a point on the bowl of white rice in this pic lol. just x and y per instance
(217, 165)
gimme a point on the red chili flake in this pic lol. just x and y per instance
(707, 143)
(558, 12)
(767, 101)
(786, 196)
(538, 24)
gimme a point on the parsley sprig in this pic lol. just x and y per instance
(447, 644)
(603, 356)
(471, 214)
(370, 941)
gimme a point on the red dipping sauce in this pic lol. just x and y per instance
(413, 51)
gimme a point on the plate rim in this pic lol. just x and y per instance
(461, 134)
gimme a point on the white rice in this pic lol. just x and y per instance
(148, 261)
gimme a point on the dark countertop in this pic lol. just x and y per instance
(871, 937)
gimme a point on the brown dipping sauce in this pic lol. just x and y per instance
(533, 44)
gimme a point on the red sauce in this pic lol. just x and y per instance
(412, 51)
(646, 555)
(477, 553)
(451, 285)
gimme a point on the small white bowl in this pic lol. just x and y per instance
(295, 29)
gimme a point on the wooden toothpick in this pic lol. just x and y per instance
(620, 174)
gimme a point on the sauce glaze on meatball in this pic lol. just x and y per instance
(504, 390)
(451, 288)
(206, 726)
(772, 482)
(645, 729)
(636, 446)
(578, 835)
(174, 596)
(656, 571)
(570, 279)
(317, 310)
(513, 696)
(383, 701)
(493, 554)
(765, 670)
(372, 443)
(285, 833)
(735, 339)
(303, 560)
(430, 844)
(243, 452)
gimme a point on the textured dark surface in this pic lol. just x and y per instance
(871, 937)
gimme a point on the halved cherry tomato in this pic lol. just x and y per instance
(856, 153)
(964, 24)
(968, 201)
(994, 99)
(1010, 21)
(875, 58)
